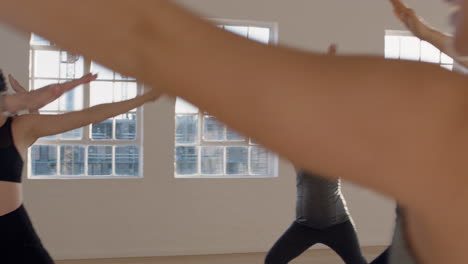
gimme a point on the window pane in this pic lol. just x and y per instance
(124, 91)
(46, 63)
(429, 53)
(39, 41)
(102, 131)
(259, 34)
(242, 31)
(447, 66)
(72, 160)
(236, 162)
(409, 48)
(259, 161)
(103, 72)
(186, 160)
(232, 135)
(119, 76)
(212, 162)
(125, 126)
(100, 160)
(72, 100)
(44, 160)
(213, 130)
(75, 134)
(50, 137)
(101, 93)
(184, 107)
(186, 129)
(392, 47)
(127, 160)
(446, 59)
(71, 66)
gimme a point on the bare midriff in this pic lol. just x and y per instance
(10, 197)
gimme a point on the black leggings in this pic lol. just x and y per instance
(298, 238)
(382, 258)
(19, 243)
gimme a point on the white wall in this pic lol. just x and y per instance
(160, 215)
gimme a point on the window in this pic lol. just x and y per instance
(205, 147)
(111, 149)
(402, 45)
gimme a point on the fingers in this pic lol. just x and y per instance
(15, 84)
(397, 4)
(38, 98)
(406, 15)
(74, 83)
(399, 8)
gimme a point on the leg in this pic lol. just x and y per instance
(19, 242)
(25, 254)
(383, 258)
(342, 238)
(297, 239)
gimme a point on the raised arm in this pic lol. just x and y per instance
(36, 126)
(422, 30)
(34, 100)
(355, 117)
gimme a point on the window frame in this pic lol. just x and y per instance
(86, 140)
(273, 159)
(405, 33)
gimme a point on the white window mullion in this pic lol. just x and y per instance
(187, 109)
(59, 165)
(33, 68)
(86, 141)
(225, 160)
(114, 169)
(86, 99)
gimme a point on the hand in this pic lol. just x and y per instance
(19, 89)
(37, 99)
(407, 16)
(15, 85)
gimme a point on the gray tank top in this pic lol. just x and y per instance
(400, 252)
(320, 203)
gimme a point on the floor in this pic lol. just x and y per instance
(312, 256)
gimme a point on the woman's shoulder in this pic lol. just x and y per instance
(21, 128)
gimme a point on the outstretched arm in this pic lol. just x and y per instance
(36, 126)
(37, 99)
(356, 117)
(422, 30)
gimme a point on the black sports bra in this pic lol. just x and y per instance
(11, 163)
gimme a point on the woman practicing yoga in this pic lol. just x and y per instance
(398, 127)
(321, 217)
(19, 242)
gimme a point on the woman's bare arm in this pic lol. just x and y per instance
(365, 119)
(422, 30)
(37, 99)
(36, 126)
